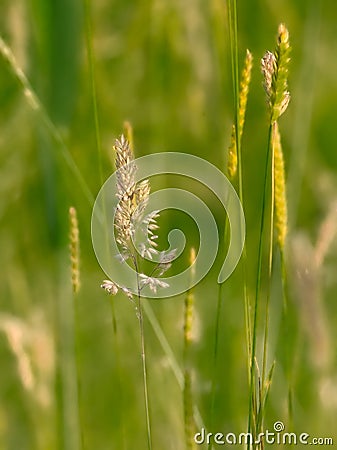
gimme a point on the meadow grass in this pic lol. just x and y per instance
(168, 71)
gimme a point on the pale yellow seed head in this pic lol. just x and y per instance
(232, 161)
(192, 261)
(244, 89)
(281, 213)
(74, 247)
(189, 302)
(188, 319)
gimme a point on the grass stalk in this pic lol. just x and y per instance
(143, 358)
(239, 114)
(215, 356)
(78, 377)
(188, 410)
(270, 249)
(38, 108)
(258, 284)
(91, 64)
(250, 334)
(175, 367)
(58, 380)
(92, 76)
(187, 394)
(75, 281)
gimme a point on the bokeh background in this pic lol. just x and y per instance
(165, 67)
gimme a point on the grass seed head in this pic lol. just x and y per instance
(281, 214)
(74, 247)
(275, 67)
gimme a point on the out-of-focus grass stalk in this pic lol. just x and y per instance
(91, 65)
(215, 355)
(188, 396)
(92, 75)
(74, 247)
(175, 367)
(236, 138)
(143, 358)
(240, 101)
(37, 106)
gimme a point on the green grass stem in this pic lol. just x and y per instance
(258, 281)
(143, 358)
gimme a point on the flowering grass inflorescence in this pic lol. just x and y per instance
(275, 71)
(274, 68)
(130, 218)
(243, 97)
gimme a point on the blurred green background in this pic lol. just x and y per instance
(165, 67)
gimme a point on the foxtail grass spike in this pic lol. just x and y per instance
(74, 247)
(232, 162)
(281, 216)
(189, 301)
(275, 67)
(244, 89)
